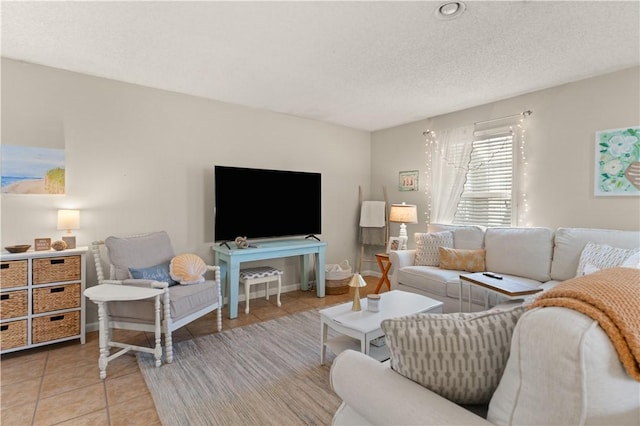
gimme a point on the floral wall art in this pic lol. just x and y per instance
(617, 162)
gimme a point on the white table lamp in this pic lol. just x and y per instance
(69, 219)
(403, 214)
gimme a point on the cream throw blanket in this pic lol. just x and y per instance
(373, 222)
(611, 297)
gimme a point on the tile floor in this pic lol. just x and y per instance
(60, 385)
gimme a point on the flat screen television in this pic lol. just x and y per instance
(263, 203)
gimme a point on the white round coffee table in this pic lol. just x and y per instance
(105, 293)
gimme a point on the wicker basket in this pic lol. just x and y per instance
(13, 273)
(13, 334)
(54, 269)
(337, 279)
(13, 304)
(333, 287)
(54, 327)
(48, 299)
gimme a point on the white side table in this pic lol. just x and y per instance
(104, 293)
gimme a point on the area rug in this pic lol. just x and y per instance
(267, 373)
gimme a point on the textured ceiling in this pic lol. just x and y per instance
(366, 65)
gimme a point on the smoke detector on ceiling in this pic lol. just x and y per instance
(450, 10)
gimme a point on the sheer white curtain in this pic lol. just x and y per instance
(448, 152)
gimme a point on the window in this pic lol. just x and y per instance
(488, 195)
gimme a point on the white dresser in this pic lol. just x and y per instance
(41, 299)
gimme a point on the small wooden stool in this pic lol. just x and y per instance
(258, 275)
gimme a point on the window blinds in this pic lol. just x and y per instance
(487, 195)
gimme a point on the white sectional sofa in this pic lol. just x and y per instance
(537, 256)
(562, 370)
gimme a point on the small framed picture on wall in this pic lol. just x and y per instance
(394, 244)
(408, 180)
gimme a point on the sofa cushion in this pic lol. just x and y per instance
(137, 252)
(524, 252)
(428, 278)
(427, 247)
(461, 259)
(468, 237)
(601, 256)
(460, 356)
(569, 243)
(184, 300)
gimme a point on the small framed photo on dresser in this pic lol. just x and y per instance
(41, 244)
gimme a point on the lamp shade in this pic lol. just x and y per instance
(357, 281)
(68, 219)
(403, 213)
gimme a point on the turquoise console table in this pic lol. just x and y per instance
(229, 260)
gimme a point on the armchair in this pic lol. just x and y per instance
(182, 303)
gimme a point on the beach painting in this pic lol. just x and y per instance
(31, 170)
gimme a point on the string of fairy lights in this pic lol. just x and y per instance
(431, 140)
(433, 146)
(523, 213)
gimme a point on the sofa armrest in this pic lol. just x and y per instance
(382, 396)
(399, 259)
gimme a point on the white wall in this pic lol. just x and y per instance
(560, 139)
(140, 159)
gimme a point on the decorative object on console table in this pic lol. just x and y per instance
(408, 181)
(242, 242)
(20, 248)
(403, 214)
(59, 245)
(356, 282)
(41, 244)
(69, 219)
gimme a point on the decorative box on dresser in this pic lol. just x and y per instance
(41, 298)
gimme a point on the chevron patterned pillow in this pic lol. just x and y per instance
(602, 256)
(460, 356)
